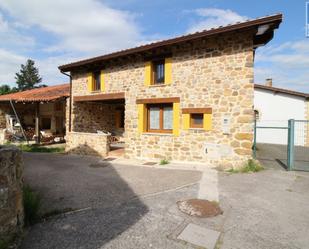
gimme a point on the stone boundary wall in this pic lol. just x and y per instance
(83, 143)
(11, 183)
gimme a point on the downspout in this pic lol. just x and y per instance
(70, 106)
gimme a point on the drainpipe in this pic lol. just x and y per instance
(70, 106)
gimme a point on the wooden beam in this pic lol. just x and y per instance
(158, 100)
(98, 97)
(207, 110)
(37, 123)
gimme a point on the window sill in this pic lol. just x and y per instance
(197, 129)
(158, 85)
(157, 134)
(96, 91)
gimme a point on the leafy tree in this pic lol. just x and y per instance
(28, 76)
(6, 89)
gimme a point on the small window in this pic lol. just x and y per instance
(160, 118)
(97, 81)
(158, 72)
(196, 120)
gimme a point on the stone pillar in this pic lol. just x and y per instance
(11, 184)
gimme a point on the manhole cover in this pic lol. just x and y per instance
(149, 163)
(98, 165)
(199, 208)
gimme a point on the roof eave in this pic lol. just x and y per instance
(274, 22)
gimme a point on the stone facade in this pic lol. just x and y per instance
(11, 183)
(216, 73)
(87, 143)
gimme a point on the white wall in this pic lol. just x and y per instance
(275, 110)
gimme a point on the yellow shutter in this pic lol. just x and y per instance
(186, 121)
(148, 73)
(176, 108)
(207, 121)
(90, 82)
(168, 71)
(102, 81)
(141, 118)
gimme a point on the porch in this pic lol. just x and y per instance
(97, 125)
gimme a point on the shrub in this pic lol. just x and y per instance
(164, 161)
(32, 204)
(250, 166)
(4, 244)
(36, 148)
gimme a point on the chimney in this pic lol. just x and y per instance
(269, 82)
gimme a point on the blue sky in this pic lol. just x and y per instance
(55, 32)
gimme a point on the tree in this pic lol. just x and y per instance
(6, 89)
(28, 76)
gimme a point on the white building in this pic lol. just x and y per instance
(274, 107)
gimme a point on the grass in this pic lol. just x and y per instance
(4, 244)
(32, 204)
(37, 148)
(250, 166)
(164, 161)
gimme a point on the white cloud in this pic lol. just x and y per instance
(85, 25)
(287, 64)
(8, 65)
(212, 17)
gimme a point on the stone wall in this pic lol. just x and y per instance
(11, 182)
(216, 73)
(87, 143)
(94, 116)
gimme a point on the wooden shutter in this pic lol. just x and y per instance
(186, 121)
(141, 123)
(176, 112)
(168, 71)
(207, 121)
(102, 81)
(90, 82)
(148, 73)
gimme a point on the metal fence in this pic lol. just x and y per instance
(287, 143)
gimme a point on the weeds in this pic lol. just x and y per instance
(250, 166)
(36, 148)
(4, 244)
(32, 204)
(164, 161)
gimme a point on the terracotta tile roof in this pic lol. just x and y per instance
(281, 90)
(49, 93)
(273, 21)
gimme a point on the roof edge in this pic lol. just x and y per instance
(281, 90)
(277, 19)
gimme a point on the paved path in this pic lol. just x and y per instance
(269, 209)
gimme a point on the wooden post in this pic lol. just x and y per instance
(37, 123)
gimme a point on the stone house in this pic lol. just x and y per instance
(189, 98)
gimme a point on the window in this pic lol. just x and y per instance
(97, 81)
(196, 120)
(158, 72)
(160, 118)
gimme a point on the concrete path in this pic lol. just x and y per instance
(269, 209)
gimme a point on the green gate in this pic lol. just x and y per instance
(297, 148)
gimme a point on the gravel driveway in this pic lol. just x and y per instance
(135, 207)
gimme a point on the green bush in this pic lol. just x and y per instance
(32, 204)
(36, 148)
(4, 244)
(250, 166)
(164, 161)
